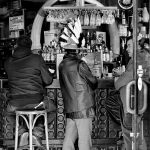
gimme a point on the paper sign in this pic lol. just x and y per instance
(16, 23)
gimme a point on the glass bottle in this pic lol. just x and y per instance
(106, 54)
(123, 26)
(92, 19)
(88, 44)
(86, 19)
(110, 55)
(140, 17)
(98, 19)
(145, 14)
(81, 16)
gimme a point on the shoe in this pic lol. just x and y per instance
(38, 131)
(24, 139)
(21, 130)
(36, 141)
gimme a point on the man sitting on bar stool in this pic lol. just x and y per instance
(27, 76)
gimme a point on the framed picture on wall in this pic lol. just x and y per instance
(100, 37)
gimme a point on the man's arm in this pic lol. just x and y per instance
(124, 78)
(86, 74)
(47, 77)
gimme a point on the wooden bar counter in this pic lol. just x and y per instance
(105, 131)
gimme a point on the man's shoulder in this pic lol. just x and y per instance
(36, 57)
(8, 60)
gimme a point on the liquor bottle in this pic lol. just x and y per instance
(49, 49)
(44, 52)
(92, 19)
(123, 18)
(123, 26)
(106, 54)
(86, 19)
(145, 14)
(98, 19)
(143, 31)
(81, 16)
(88, 42)
(140, 17)
(93, 38)
(130, 27)
(110, 55)
(123, 43)
(104, 18)
(52, 57)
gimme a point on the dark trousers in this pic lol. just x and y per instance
(48, 105)
(114, 107)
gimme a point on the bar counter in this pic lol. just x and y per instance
(105, 132)
(102, 83)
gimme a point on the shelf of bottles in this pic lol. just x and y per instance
(91, 17)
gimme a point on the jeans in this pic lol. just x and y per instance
(81, 129)
(38, 129)
(115, 110)
(49, 106)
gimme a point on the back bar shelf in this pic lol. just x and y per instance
(59, 14)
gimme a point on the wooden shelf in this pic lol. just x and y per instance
(48, 8)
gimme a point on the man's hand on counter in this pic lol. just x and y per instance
(115, 79)
(51, 70)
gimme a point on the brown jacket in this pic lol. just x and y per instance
(77, 84)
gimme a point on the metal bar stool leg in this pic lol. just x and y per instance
(30, 130)
(46, 130)
(16, 131)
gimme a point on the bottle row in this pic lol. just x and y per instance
(94, 43)
(126, 25)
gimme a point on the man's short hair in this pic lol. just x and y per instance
(24, 41)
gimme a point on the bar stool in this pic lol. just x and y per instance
(30, 118)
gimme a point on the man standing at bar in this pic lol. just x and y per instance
(27, 76)
(77, 85)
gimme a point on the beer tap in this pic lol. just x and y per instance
(140, 74)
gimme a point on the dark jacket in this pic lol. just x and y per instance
(77, 84)
(27, 75)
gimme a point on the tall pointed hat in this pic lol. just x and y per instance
(71, 36)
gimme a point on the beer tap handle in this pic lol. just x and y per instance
(130, 98)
